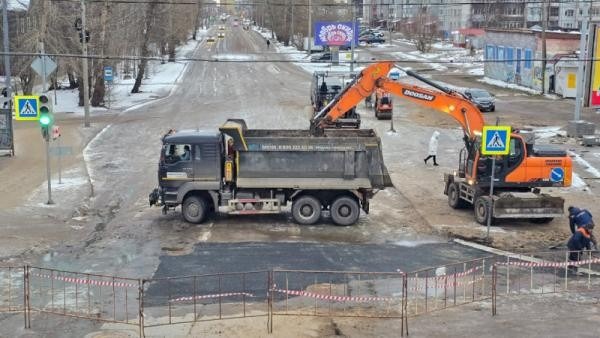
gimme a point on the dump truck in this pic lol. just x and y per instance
(241, 171)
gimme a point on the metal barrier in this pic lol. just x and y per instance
(13, 298)
(449, 285)
(269, 293)
(84, 295)
(188, 299)
(546, 272)
(338, 294)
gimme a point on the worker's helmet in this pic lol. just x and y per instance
(571, 208)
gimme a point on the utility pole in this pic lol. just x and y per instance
(292, 37)
(582, 59)
(7, 73)
(354, 35)
(544, 54)
(309, 26)
(86, 88)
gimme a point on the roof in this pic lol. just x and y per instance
(471, 31)
(550, 34)
(192, 136)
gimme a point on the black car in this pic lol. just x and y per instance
(324, 57)
(482, 98)
(371, 39)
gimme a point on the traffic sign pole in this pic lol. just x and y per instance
(490, 207)
(48, 174)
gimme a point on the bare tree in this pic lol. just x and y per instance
(148, 25)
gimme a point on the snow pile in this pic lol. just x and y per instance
(547, 132)
(503, 84)
(161, 79)
(585, 164)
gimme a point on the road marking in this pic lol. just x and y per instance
(206, 234)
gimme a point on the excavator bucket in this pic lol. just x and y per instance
(527, 205)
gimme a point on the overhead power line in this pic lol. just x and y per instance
(283, 4)
(241, 58)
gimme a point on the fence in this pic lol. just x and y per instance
(84, 295)
(271, 293)
(449, 285)
(12, 290)
(546, 272)
(169, 301)
(337, 294)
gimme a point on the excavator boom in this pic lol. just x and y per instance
(375, 76)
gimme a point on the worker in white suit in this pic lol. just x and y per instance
(433, 147)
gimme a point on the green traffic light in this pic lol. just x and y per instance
(45, 120)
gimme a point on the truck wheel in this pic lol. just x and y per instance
(345, 211)
(454, 200)
(194, 209)
(306, 210)
(481, 206)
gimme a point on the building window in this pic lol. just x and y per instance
(490, 50)
(528, 61)
(569, 12)
(509, 55)
(501, 54)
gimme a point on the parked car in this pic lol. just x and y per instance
(482, 98)
(321, 57)
(371, 39)
(375, 32)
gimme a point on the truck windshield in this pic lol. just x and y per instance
(176, 153)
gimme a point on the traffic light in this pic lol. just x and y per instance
(87, 36)
(46, 116)
(4, 99)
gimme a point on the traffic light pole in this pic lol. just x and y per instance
(84, 61)
(7, 74)
(48, 174)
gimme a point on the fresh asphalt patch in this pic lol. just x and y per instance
(208, 260)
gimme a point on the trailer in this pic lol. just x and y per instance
(237, 170)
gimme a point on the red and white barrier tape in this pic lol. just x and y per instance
(449, 277)
(360, 299)
(421, 286)
(87, 281)
(551, 264)
(218, 295)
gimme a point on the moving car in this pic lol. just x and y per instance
(210, 39)
(482, 98)
(321, 57)
(221, 28)
(221, 35)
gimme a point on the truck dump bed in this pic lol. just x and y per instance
(339, 159)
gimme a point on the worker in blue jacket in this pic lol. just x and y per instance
(581, 240)
(580, 218)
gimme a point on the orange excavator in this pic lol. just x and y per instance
(518, 175)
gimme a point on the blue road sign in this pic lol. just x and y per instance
(557, 174)
(27, 108)
(108, 74)
(495, 140)
(395, 76)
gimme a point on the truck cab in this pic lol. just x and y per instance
(190, 161)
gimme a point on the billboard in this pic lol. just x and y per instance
(595, 83)
(335, 33)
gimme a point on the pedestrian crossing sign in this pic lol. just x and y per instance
(27, 107)
(495, 140)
